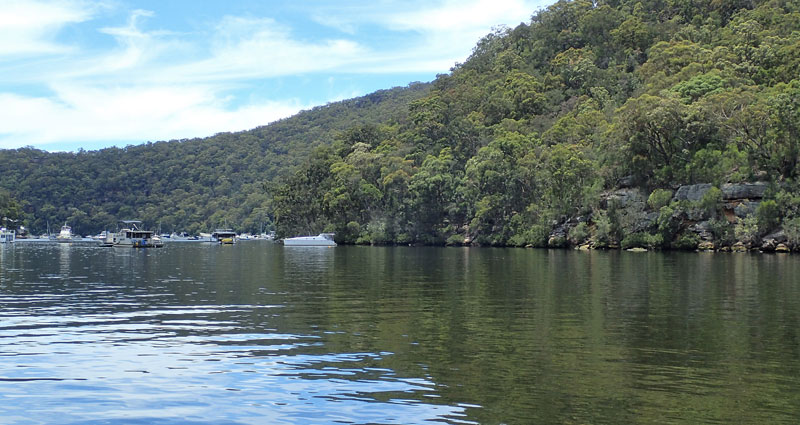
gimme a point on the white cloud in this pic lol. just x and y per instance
(163, 84)
(261, 48)
(29, 27)
(133, 114)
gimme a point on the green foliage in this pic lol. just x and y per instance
(711, 202)
(578, 234)
(687, 242)
(701, 85)
(768, 215)
(659, 198)
(603, 231)
(723, 232)
(791, 228)
(10, 212)
(668, 221)
(641, 240)
(746, 230)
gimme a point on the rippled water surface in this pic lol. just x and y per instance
(258, 333)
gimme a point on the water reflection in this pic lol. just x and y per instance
(257, 333)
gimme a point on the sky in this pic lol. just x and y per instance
(80, 74)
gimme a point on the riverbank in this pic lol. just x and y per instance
(737, 217)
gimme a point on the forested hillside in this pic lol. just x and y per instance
(525, 142)
(188, 185)
(584, 126)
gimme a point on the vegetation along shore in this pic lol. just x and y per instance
(658, 124)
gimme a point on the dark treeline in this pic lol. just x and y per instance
(531, 132)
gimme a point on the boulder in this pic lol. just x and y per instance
(769, 245)
(706, 246)
(692, 192)
(744, 190)
(739, 247)
(779, 236)
(626, 197)
(781, 248)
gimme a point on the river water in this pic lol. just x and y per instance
(258, 333)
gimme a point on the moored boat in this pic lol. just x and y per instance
(224, 236)
(7, 236)
(65, 235)
(323, 239)
(133, 237)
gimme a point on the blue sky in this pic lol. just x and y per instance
(91, 74)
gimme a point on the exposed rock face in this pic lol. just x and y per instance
(692, 192)
(746, 208)
(627, 197)
(743, 190)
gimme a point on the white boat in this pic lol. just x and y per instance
(133, 237)
(180, 237)
(65, 235)
(7, 236)
(323, 239)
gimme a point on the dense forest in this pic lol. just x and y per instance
(601, 123)
(181, 185)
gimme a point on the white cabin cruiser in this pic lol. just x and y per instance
(323, 239)
(65, 235)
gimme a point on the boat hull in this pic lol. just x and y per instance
(321, 240)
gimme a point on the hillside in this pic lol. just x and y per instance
(598, 123)
(183, 185)
(527, 141)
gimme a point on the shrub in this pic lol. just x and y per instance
(668, 223)
(557, 242)
(711, 202)
(791, 228)
(746, 230)
(722, 231)
(768, 215)
(602, 230)
(578, 234)
(537, 235)
(687, 242)
(641, 240)
(455, 240)
(659, 198)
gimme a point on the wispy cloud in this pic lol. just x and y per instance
(29, 27)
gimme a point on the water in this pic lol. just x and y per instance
(261, 334)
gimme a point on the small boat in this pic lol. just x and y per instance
(65, 235)
(7, 236)
(133, 237)
(224, 236)
(180, 237)
(323, 239)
